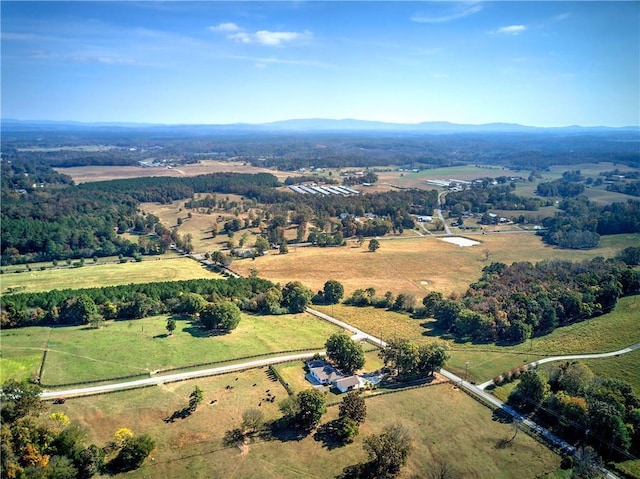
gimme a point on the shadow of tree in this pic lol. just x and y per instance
(180, 414)
(501, 416)
(283, 432)
(197, 331)
(357, 471)
(327, 434)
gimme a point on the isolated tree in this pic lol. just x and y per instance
(296, 297)
(225, 315)
(261, 245)
(333, 292)
(195, 398)
(171, 326)
(347, 429)
(252, 420)
(312, 405)
(353, 407)
(388, 451)
(289, 407)
(284, 248)
(344, 352)
(374, 244)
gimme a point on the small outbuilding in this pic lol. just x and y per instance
(349, 383)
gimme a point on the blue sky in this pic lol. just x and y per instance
(536, 63)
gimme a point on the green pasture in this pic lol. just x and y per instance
(446, 424)
(160, 268)
(124, 348)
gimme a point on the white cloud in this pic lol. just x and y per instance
(511, 30)
(262, 37)
(561, 17)
(265, 61)
(452, 11)
(225, 28)
(265, 37)
(103, 59)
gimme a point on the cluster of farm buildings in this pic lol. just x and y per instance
(323, 374)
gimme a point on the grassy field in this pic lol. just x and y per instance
(610, 332)
(415, 265)
(161, 268)
(124, 348)
(192, 447)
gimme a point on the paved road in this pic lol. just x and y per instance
(168, 378)
(572, 357)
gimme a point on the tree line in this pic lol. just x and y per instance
(204, 298)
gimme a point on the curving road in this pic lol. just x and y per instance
(572, 357)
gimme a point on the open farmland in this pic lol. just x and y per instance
(153, 269)
(139, 347)
(414, 265)
(86, 174)
(467, 440)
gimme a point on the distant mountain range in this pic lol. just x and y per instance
(310, 125)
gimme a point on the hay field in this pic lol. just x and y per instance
(415, 265)
(91, 275)
(86, 174)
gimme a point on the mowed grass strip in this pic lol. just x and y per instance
(415, 265)
(446, 424)
(93, 276)
(124, 348)
(610, 332)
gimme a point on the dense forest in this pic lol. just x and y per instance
(513, 303)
